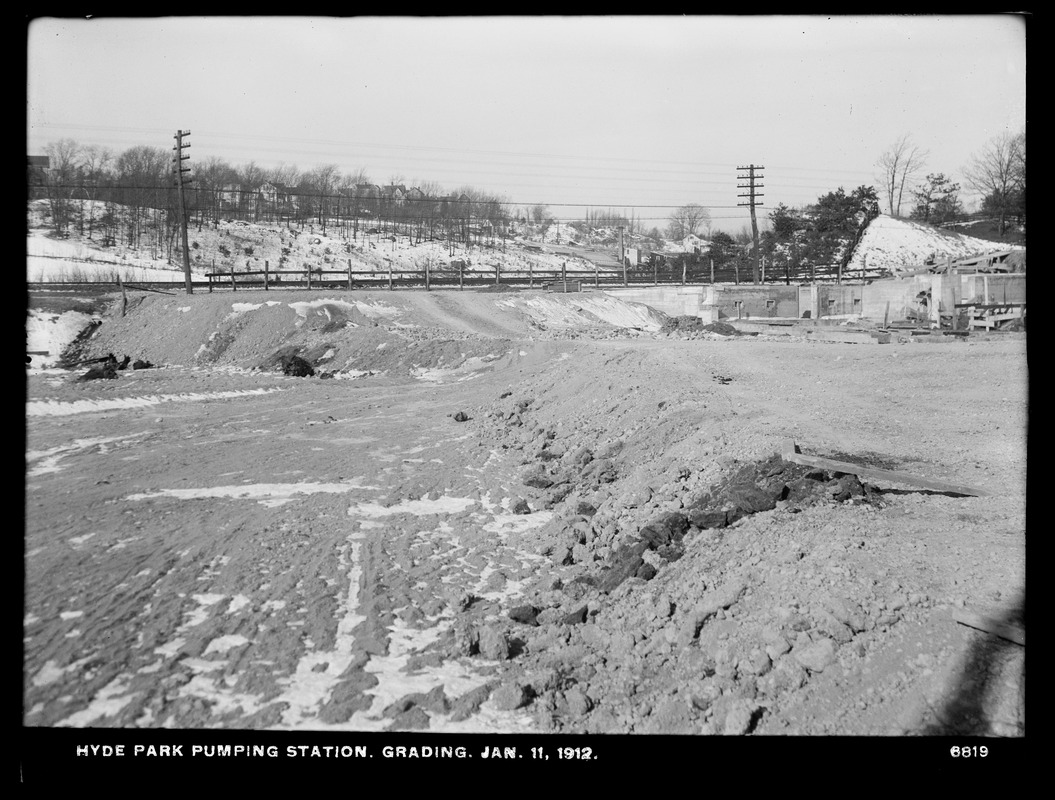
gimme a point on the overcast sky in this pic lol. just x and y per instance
(575, 112)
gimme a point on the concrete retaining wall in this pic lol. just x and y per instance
(891, 298)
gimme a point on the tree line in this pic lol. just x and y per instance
(142, 180)
(996, 172)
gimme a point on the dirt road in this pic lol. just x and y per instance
(214, 546)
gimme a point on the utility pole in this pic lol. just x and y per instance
(622, 255)
(179, 169)
(751, 194)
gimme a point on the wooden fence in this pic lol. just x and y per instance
(562, 279)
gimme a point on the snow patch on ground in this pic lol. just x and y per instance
(270, 495)
(57, 408)
(441, 505)
(52, 333)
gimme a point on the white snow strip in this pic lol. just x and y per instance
(222, 644)
(441, 505)
(56, 408)
(50, 458)
(267, 494)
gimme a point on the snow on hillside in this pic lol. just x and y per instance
(899, 245)
(244, 246)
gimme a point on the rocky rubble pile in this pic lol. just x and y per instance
(689, 327)
(657, 613)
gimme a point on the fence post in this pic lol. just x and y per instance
(349, 273)
(684, 269)
(498, 273)
(309, 276)
(531, 274)
(564, 274)
(596, 277)
(390, 287)
(234, 288)
(210, 283)
(428, 282)
(712, 272)
(461, 274)
(266, 276)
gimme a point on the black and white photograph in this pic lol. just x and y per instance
(416, 392)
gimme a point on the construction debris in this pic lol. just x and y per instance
(789, 453)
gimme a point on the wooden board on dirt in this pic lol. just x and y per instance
(894, 476)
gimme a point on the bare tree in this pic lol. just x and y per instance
(96, 161)
(64, 159)
(685, 221)
(902, 161)
(250, 178)
(323, 180)
(997, 172)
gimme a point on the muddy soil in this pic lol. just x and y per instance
(474, 519)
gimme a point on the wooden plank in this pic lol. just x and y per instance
(894, 476)
(1010, 632)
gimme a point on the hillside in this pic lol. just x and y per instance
(896, 245)
(889, 245)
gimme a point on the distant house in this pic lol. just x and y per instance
(278, 197)
(393, 196)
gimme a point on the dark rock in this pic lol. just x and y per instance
(723, 328)
(585, 509)
(296, 366)
(140, 364)
(469, 703)
(538, 481)
(576, 617)
(645, 572)
(461, 416)
(685, 324)
(664, 529)
(708, 519)
(124, 362)
(520, 506)
(752, 499)
(845, 487)
(625, 561)
(414, 719)
(106, 370)
(525, 615)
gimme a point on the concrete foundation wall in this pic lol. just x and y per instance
(892, 298)
(674, 301)
(756, 301)
(844, 298)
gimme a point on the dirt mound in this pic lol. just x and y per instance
(409, 334)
